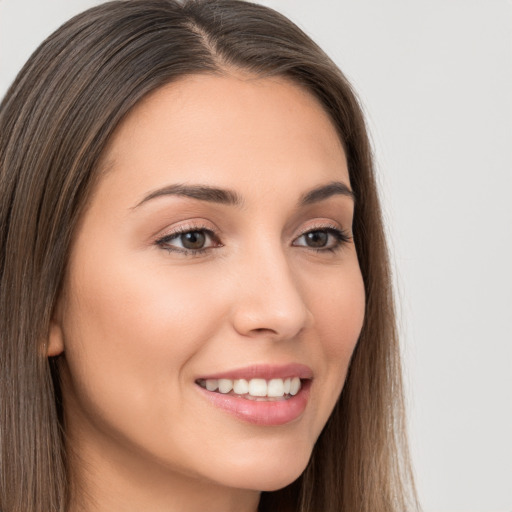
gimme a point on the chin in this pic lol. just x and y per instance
(279, 481)
(271, 472)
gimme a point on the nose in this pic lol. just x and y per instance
(268, 301)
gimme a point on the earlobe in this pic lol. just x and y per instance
(55, 340)
(55, 343)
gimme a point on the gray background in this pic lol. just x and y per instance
(435, 78)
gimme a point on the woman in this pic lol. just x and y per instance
(193, 268)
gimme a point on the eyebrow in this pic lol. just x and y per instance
(200, 192)
(335, 188)
(232, 198)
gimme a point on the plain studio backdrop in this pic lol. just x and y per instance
(435, 79)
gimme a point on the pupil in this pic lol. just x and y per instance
(193, 240)
(317, 238)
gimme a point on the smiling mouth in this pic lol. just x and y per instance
(259, 390)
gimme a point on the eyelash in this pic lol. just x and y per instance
(341, 236)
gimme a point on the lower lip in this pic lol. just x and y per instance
(262, 412)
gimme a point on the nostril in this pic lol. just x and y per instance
(264, 330)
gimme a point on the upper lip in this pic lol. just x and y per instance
(264, 371)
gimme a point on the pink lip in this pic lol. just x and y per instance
(264, 371)
(262, 412)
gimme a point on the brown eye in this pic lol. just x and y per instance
(317, 238)
(193, 240)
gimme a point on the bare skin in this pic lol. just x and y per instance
(163, 288)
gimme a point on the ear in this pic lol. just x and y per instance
(55, 340)
(55, 335)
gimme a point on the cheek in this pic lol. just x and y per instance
(128, 329)
(135, 307)
(339, 309)
(130, 332)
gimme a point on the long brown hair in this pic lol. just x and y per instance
(55, 122)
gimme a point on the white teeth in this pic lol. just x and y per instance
(225, 385)
(275, 387)
(294, 386)
(212, 384)
(240, 387)
(257, 388)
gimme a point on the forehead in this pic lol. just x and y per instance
(228, 130)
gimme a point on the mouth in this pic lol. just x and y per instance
(259, 390)
(261, 395)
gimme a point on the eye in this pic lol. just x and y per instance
(323, 239)
(188, 241)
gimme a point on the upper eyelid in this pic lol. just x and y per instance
(181, 231)
(214, 231)
(325, 225)
(320, 226)
(185, 227)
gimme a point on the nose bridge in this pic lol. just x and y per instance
(269, 301)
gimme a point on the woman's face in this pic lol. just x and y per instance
(216, 249)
